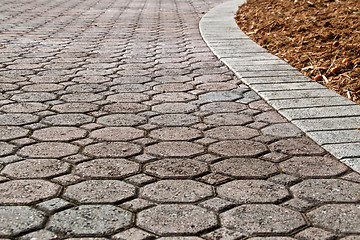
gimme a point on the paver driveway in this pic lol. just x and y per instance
(117, 122)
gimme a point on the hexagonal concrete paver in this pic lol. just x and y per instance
(176, 219)
(100, 191)
(223, 107)
(175, 133)
(220, 96)
(297, 146)
(128, 97)
(117, 133)
(174, 108)
(121, 120)
(90, 220)
(245, 167)
(175, 149)
(58, 134)
(17, 119)
(253, 191)
(314, 166)
(75, 107)
(176, 167)
(36, 168)
(174, 120)
(327, 190)
(125, 108)
(48, 150)
(176, 191)
(24, 107)
(262, 219)
(106, 168)
(231, 132)
(6, 148)
(238, 148)
(15, 220)
(9, 132)
(228, 119)
(68, 119)
(282, 130)
(26, 191)
(341, 218)
(174, 97)
(112, 149)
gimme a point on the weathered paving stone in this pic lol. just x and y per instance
(17, 119)
(238, 148)
(68, 119)
(58, 134)
(112, 149)
(174, 108)
(315, 234)
(231, 132)
(36, 168)
(15, 220)
(54, 205)
(117, 133)
(253, 191)
(81, 97)
(174, 120)
(41, 234)
(271, 238)
(216, 86)
(90, 220)
(26, 191)
(297, 146)
(341, 218)
(314, 166)
(34, 97)
(75, 107)
(217, 204)
(262, 219)
(6, 148)
(245, 168)
(48, 150)
(282, 130)
(24, 107)
(42, 87)
(180, 238)
(176, 167)
(125, 108)
(223, 107)
(223, 233)
(327, 190)
(175, 149)
(128, 97)
(106, 168)
(175, 134)
(176, 191)
(134, 234)
(173, 87)
(130, 88)
(100, 191)
(88, 87)
(11, 132)
(228, 119)
(121, 120)
(270, 117)
(174, 97)
(220, 96)
(176, 219)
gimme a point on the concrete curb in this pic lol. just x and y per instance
(329, 119)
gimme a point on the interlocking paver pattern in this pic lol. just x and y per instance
(117, 122)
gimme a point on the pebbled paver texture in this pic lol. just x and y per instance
(118, 122)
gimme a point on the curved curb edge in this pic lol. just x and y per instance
(331, 120)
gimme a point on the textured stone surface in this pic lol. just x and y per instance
(26, 191)
(18, 219)
(231, 132)
(113, 149)
(262, 219)
(36, 168)
(238, 148)
(327, 190)
(253, 191)
(297, 146)
(341, 218)
(175, 149)
(315, 166)
(106, 168)
(176, 219)
(100, 191)
(178, 191)
(58, 134)
(90, 220)
(245, 167)
(8, 132)
(175, 133)
(116, 134)
(48, 150)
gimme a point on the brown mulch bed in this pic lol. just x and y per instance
(320, 38)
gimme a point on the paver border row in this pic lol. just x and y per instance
(329, 119)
